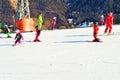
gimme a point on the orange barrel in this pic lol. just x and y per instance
(25, 24)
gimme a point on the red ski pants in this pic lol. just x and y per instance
(95, 35)
(108, 26)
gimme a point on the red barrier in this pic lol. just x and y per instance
(25, 24)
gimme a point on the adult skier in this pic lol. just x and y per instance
(39, 27)
(109, 23)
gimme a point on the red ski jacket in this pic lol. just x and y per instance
(109, 20)
(95, 29)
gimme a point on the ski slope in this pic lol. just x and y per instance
(62, 55)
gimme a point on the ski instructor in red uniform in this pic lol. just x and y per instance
(109, 23)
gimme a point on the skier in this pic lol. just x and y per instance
(38, 31)
(102, 20)
(39, 27)
(7, 31)
(95, 32)
(109, 23)
(18, 37)
(53, 23)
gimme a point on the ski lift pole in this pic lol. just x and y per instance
(26, 9)
(23, 20)
(22, 9)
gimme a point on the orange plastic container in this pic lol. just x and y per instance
(25, 24)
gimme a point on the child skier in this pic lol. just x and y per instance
(53, 23)
(7, 31)
(38, 31)
(95, 32)
(18, 37)
(102, 20)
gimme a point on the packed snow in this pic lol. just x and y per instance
(62, 54)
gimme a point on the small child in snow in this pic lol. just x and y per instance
(102, 20)
(53, 23)
(38, 31)
(18, 37)
(95, 32)
(7, 31)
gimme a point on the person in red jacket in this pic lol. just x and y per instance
(38, 31)
(95, 32)
(109, 23)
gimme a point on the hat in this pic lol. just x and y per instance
(95, 23)
(36, 26)
(6, 25)
(17, 31)
(54, 17)
(102, 16)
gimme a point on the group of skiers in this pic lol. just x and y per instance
(19, 35)
(38, 28)
(108, 29)
(109, 23)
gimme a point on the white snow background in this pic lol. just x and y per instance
(62, 55)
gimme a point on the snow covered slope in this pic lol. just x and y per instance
(62, 55)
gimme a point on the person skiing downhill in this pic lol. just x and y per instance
(7, 31)
(109, 23)
(95, 32)
(18, 37)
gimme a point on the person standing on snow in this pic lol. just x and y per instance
(109, 23)
(102, 20)
(7, 31)
(53, 23)
(38, 27)
(37, 34)
(95, 32)
(18, 37)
